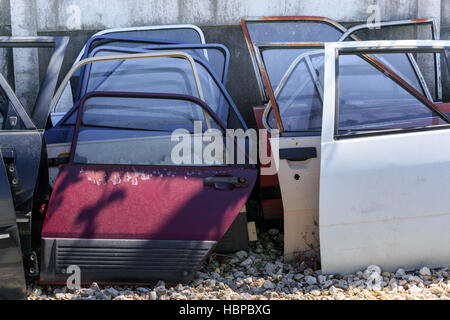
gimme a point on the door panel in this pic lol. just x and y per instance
(383, 201)
(20, 155)
(12, 278)
(147, 222)
(383, 185)
(26, 147)
(299, 183)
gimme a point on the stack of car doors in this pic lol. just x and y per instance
(288, 58)
(124, 208)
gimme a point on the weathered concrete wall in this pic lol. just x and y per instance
(58, 15)
(26, 70)
(5, 30)
(445, 20)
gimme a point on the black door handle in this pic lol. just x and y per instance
(298, 154)
(226, 183)
(8, 154)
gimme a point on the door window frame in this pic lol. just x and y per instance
(263, 78)
(205, 109)
(260, 77)
(41, 110)
(330, 120)
(434, 36)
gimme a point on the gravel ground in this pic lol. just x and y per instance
(260, 274)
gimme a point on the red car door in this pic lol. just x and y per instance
(122, 211)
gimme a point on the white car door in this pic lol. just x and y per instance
(385, 165)
(299, 100)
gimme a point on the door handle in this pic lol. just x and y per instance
(298, 154)
(4, 236)
(220, 183)
(8, 155)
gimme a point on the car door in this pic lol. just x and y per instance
(385, 166)
(300, 101)
(20, 165)
(122, 209)
(20, 150)
(12, 277)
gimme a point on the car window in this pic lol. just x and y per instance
(292, 31)
(299, 99)
(214, 58)
(300, 103)
(267, 30)
(185, 35)
(370, 100)
(422, 63)
(163, 75)
(122, 130)
(277, 62)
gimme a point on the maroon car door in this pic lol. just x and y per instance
(123, 210)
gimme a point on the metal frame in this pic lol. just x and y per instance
(218, 47)
(434, 36)
(249, 41)
(431, 21)
(171, 96)
(272, 93)
(16, 104)
(91, 40)
(283, 81)
(313, 75)
(196, 59)
(146, 28)
(173, 54)
(261, 72)
(219, 84)
(363, 48)
(59, 44)
(288, 73)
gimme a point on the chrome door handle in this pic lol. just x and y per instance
(4, 236)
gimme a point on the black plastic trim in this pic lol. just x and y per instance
(298, 154)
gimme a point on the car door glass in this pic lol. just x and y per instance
(292, 31)
(137, 130)
(299, 102)
(214, 58)
(185, 35)
(265, 30)
(299, 97)
(423, 63)
(164, 75)
(277, 62)
(369, 100)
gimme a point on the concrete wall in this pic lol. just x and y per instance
(219, 19)
(58, 15)
(5, 30)
(445, 19)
